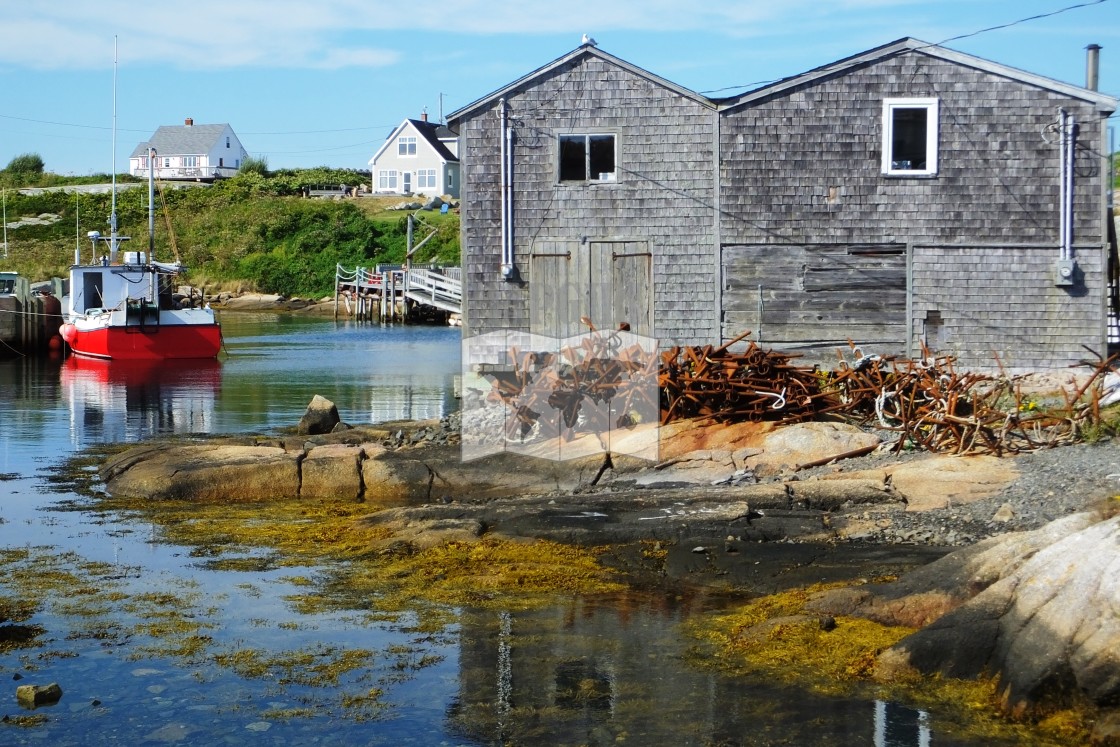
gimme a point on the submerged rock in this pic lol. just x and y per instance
(33, 696)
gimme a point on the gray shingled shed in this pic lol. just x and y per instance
(903, 196)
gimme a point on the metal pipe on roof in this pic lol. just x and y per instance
(1092, 66)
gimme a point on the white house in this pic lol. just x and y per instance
(199, 152)
(419, 157)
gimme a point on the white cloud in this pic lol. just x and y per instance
(335, 34)
(213, 34)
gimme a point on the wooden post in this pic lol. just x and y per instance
(384, 293)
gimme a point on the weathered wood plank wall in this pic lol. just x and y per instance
(813, 299)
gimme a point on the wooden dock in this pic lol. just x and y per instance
(395, 293)
(29, 321)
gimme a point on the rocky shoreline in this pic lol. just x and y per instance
(751, 509)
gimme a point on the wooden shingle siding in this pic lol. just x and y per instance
(998, 306)
(664, 195)
(997, 179)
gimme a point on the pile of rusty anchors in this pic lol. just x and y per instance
(752, 385)
(927, 402)
(935, 408)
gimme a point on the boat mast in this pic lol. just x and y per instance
(151, 204)
(113, 239)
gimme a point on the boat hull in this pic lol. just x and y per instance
(167, 342)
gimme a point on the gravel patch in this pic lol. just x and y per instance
(1052, 483)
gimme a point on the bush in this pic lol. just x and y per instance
(23, 169)
(26, 163)
(254, 166)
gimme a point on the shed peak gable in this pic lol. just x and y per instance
(909, 45)
(582, 52)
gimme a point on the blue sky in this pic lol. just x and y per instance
(323, 82)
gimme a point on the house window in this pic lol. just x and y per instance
(227, 141)
(587, 158)
(910, 137)
(387, 179)
(426, 179)
(406, 146)
(190, 162)
(167, 163)
(450, 181)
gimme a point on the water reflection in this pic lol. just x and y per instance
(615, 669)
(127, 401)
(899, 726)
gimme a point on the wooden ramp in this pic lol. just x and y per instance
(391, 292)
(435, 288)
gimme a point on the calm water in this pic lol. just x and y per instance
(584, 672)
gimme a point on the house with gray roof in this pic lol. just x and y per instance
(418, 157)
(907, 198)
(201, 152)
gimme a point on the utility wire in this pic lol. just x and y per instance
(121, 129)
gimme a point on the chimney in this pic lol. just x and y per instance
(424, 116)
(1092, 66)
(188, 122)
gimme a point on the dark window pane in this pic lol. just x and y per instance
(908, 146)
(602, 155)
(573, 158)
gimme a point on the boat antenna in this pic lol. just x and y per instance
(113, 240)
(5, 222)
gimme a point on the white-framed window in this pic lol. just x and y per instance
(425, 178)
(167, 162)
(450, 181)
(190, 162)
(910, 137)
(387, 179)
(406, 145)
(587, 158)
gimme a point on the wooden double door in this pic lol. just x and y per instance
(609, 283)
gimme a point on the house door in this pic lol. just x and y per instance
(406, 181)
(608, 282)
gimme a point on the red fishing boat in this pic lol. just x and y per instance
(123, 305)
(128, 311)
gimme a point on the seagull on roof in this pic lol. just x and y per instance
(588, 40)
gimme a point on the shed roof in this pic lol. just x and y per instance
(905, 45)
(183, 139)
(588, 50)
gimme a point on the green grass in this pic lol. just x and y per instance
(250, 232)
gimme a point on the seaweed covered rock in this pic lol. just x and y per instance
(1050, 628)
(1039, 609)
